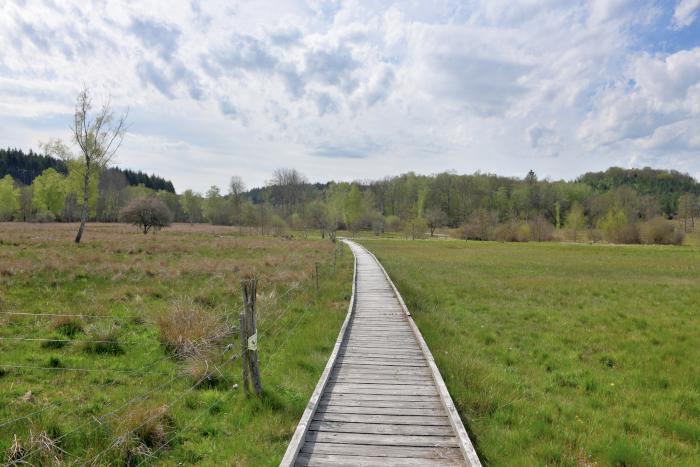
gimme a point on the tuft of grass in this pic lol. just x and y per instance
(55, 341)
(38, 449)
(142, 430)
(68, 326)
(185, 329)
(105, 339)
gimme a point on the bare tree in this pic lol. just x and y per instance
(435, 218)
(318, 216)
(236, 188)
(98, 138)
(288, 188)
(687, 208)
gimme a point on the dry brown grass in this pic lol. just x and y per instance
(38, 450)
(142, 430)
(54, 251)
(187, 330)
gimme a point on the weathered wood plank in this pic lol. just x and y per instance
(386, 419)
(330, 460)
(385, 397)
(379, 361)
(382, 451)
(417, 412)
(381, 379)
(382, 440)
(397, 404)
(382, 428)
(383, 369)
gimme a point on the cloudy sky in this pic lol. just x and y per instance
(350, 90)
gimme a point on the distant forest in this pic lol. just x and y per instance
(630, 205)
(667, 186)
(26, 167)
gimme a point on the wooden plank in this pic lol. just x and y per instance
(382, 440)
(383, 369)
(331, 460)
(417, 412)
(382, 451)
(381, 379)
(378, 354)
(428, 389)
(382, 428)
(398, 390)
(379, 362)
(430, 404)
(385, 397)
(385, 419)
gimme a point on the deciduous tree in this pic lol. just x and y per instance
(435, 218)
(146, 213)
(98, 138)
(9, 198)
(575, 220)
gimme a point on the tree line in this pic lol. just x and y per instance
(618, 203)
(26, 167)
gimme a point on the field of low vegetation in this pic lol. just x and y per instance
(561, 353)
(119, 351)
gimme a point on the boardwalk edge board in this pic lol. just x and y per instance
(465, 444)
(297, 441)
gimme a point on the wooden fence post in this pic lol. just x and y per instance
(316, 276)
(244, 354)
(250, 288)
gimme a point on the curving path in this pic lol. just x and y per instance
(381, 400)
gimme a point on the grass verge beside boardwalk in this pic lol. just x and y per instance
(561, 354)
(124, 283)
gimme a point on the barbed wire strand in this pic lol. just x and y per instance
(99, 420)
(299, 321)
(232, 388)
(92, 370)
(151, 418)
(88, 317)
(35, 339)
(108, 384)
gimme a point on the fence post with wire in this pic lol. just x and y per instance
(249, 338)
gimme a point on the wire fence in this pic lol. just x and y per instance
(231, 380)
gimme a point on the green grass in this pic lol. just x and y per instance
(117, 272)
(562, 354)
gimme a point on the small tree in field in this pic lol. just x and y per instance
(575, 220)
(435, 218)
(146, 213)
(98, 138)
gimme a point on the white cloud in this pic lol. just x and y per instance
(355, 89)
(685, 13)
(657, 101)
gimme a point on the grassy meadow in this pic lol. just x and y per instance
(559, 353)
(163, 304)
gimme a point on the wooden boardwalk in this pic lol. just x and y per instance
(381, 400)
